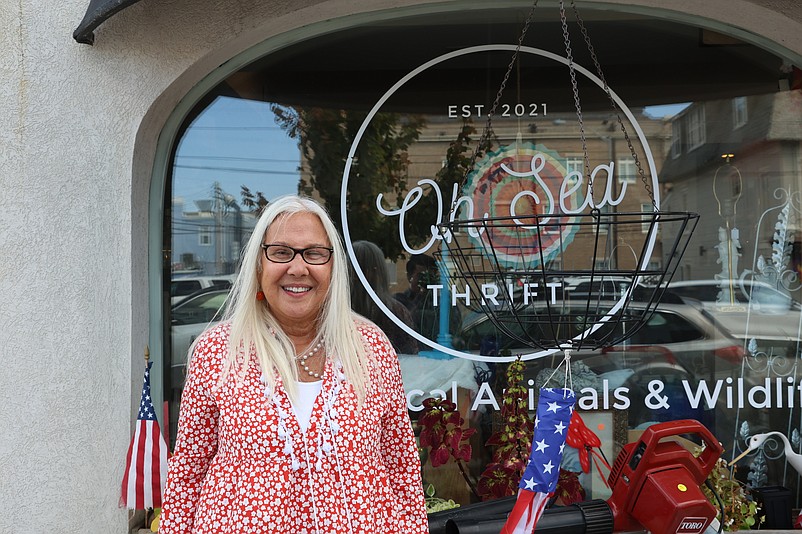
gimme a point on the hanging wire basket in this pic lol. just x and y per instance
(555, 281)
(586, 279)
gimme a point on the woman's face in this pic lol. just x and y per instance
(295, 291)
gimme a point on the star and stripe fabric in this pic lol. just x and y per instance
(553, 415)
(146, 463)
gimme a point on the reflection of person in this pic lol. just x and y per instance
(422, 270)
(371, 261)
(293, 418)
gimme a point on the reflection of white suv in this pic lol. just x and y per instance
(760, 296)
(182, 287)
(754, 312)
(602, 288)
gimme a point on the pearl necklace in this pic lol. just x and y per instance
(301, 359)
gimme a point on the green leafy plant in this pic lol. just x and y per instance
(512, 442)
(569, 490)
(442, 437)
(437, 504)
(740, 512)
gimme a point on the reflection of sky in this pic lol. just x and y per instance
(235, 142)
(665, 111)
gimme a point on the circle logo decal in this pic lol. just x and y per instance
(487, 183)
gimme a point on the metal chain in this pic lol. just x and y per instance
(577, 104)
(607, 91)
(488, 129)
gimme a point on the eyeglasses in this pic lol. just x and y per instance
(285, 254)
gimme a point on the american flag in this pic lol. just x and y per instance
(554, 409)
(146, 464)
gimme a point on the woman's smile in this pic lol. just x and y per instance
(296, 290)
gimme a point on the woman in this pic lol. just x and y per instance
(371, 261)
(293, 418)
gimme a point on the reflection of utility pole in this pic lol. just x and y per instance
(236, 234)
(226, 247)
(444, 332)
(218, 207)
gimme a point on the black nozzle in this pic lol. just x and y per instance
(480, 511)
(589, 517)
(598, 516)
(473, 526)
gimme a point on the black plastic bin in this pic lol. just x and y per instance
(775, 506)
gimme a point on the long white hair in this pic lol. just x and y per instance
(254, 329)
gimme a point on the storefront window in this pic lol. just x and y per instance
(397, 118)
(696, 126)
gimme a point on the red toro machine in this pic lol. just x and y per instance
(655, 483)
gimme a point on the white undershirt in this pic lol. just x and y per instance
(307, 393)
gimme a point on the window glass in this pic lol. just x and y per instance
(696, 126)
(200, 309)
(313, 115)
(739, 111)
(182, 288)
(667, 328)
(575, 167)
(676, 139)
(627, 172)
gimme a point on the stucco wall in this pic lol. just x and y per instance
(79, 128)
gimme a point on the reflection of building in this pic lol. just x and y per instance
(737, 162)
(530, 164)
(209, 239)
(558, 134)
(731, 160)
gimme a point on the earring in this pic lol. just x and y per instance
(260, 295)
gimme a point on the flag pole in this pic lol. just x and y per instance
(146, 462)
(147, 359)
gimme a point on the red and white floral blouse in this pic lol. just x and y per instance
(242, 465)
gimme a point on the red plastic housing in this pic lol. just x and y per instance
(656, 482)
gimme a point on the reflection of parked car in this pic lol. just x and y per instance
(767, 322)
(678, 342)
(602, 288)
(680, 328)
(182, 287)
(751, 310)
(735, 295)
(190, 317)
